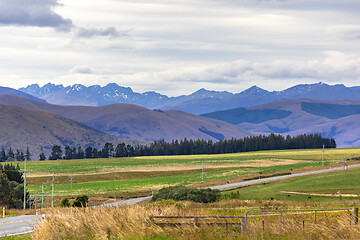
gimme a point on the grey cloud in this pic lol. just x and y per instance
(82, 69)
(33, 13)
(351, 35)
(102, 32)
(333, 66)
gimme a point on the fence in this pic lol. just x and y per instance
(242, 221)
(352, 217)
(197, 221)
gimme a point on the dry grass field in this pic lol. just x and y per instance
(128, 223)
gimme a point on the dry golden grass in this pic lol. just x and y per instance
(128, 223)
(102, 223)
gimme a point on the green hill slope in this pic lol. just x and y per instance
(21, 127)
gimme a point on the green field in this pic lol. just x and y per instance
(111, 176)
(321, 187)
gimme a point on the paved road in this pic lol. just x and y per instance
(270, 179)
(17, 225)
(125, 202)
(25, 224)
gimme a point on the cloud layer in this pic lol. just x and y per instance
(180, 46)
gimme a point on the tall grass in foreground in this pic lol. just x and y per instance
(128, 223)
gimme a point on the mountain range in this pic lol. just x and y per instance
(135, 122)
(200, 102)
(333, 119)
(222, 115)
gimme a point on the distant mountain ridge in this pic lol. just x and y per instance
(200, 102)
(333, 119)
(11, 91)
(95, 95)
(135, 122)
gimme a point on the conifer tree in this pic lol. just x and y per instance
(3, 156)
(56, 153)
(11, 154)
(27, 154)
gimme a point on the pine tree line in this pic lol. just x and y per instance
(18, 155)
(191, 147)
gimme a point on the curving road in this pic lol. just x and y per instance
(125, 202)
(270, 179)
(25, 224)
(11, 226)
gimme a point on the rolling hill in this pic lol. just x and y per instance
(333, 119)
(21, 127)
(134, 122)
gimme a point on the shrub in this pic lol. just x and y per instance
(65, 202)
(81, 201)
(181, 193)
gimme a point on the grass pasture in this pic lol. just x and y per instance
(126, 176)
(113, 176)
(334, 186)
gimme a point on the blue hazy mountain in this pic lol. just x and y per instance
(10, 91)
(200, 102)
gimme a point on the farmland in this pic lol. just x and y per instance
(115, 175)
(102, 178)
(335, 186)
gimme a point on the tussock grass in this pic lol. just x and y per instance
(128, 223)
(103, 223)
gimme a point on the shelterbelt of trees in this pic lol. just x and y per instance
(190, 147)
(182, 147)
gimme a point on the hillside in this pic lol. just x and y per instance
(200, 102)
(134, 122)
(21, 127)
(333, 119)
(6, 90)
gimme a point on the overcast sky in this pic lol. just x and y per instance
(179, 46)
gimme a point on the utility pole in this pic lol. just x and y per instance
(323, 154)
(71, 181)
(52, 192)
(42, 195)
(36, 200)
(25, 184)
(202, 172)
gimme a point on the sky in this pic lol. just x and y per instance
(176, 47)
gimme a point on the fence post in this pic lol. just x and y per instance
(3, 212)
(355, 215)
(280, 221)
(196, 224)
(243, 225)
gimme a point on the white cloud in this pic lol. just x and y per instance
(81, 69)
(176, 47)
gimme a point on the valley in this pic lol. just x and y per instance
(106, 177)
